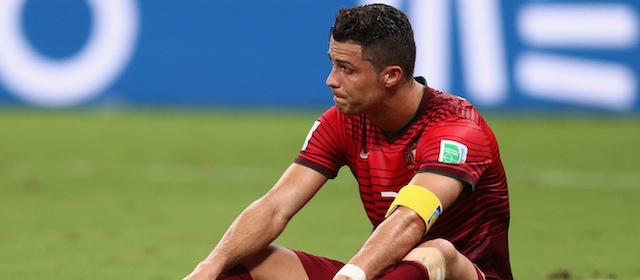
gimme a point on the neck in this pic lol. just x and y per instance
(400, 108)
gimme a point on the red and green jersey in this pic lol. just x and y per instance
(448, 136)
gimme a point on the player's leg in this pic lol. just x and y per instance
(405, 270)
(274, 262)
(442, 260)
(236, 273)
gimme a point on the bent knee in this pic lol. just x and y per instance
(272, 261)
(269, 254)
(448, 250)
(457, 265)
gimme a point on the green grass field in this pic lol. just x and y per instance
(146, 195)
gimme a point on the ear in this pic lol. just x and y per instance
(392, 75)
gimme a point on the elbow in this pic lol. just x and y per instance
(272, 211)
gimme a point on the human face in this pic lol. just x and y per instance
(354, 82)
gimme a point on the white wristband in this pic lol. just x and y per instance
(353, 271)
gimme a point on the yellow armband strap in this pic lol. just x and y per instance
(419, 199)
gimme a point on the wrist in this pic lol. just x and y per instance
(352, 271)
(209, 269)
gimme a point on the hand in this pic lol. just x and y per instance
(202, 272)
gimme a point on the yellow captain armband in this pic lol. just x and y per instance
(419, 199)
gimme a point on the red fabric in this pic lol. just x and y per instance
(383, 162)
(236, 273)
(319, 268)
(405, 271)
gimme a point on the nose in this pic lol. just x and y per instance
(331, 79)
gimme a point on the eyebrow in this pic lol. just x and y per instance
(341, 61)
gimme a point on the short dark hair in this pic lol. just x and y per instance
(384, 33)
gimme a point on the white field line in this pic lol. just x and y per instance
(555, 178)
(184, 173)
(559, 178)
(155, 173)
(190, 173)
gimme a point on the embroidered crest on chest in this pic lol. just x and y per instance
(410, 155)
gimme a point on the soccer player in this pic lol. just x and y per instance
(418, 154)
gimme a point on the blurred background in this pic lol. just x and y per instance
(132, 132)
(502, 55)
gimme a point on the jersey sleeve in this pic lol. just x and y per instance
(455, 147)
(323, 149)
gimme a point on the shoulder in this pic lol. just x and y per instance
(450, 116)
(441, 107)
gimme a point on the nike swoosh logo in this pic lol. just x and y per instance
(364, 155)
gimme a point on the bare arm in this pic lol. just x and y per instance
(399, 233)
(262, 221)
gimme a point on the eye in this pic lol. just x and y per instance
(345, 69)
